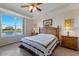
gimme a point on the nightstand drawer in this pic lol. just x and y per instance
(69, 45)
(69, 42)
(67, 37)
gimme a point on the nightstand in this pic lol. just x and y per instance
(69, 42)
(32, 34)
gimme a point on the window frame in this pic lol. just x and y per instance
(0, 25)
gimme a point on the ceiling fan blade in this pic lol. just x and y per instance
(24, 6)
(38, 9)
(39, 3)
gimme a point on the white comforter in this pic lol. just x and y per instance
(44, 40)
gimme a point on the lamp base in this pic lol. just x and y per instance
(67, 33)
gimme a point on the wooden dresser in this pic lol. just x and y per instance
(69, 42)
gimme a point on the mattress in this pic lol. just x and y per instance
(41, 44)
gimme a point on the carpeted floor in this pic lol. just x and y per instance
(61, 51)
(14, 50)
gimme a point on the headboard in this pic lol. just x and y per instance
(49, 30)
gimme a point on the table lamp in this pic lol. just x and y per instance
(68, 24)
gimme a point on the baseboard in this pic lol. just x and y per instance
(9, 43)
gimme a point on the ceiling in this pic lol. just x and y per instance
(24, 11)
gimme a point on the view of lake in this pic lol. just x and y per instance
(11, 33)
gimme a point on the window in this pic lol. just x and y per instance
(11, 25)
(19, 26)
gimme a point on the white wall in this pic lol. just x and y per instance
(58, 19)
(8, 40)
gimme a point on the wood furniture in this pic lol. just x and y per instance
(33, 33)
(69, 42)
(49, 30)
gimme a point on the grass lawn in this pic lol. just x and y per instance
(17, 30)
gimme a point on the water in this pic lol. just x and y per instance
(11, 33)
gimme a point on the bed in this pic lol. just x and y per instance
(44, 43)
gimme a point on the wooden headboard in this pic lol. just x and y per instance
(49, 30)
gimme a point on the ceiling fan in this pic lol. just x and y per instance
(33, 7)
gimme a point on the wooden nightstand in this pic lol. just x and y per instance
(69, 42)
(32, 34)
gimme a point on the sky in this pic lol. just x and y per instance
(9, 21)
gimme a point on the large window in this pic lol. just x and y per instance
(19, 26)
(11, 25)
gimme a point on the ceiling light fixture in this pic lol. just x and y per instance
(30, 8)
(33, 7)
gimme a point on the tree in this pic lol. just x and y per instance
(9, 28)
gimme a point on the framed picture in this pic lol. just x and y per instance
(68, 23)
(47, 22)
